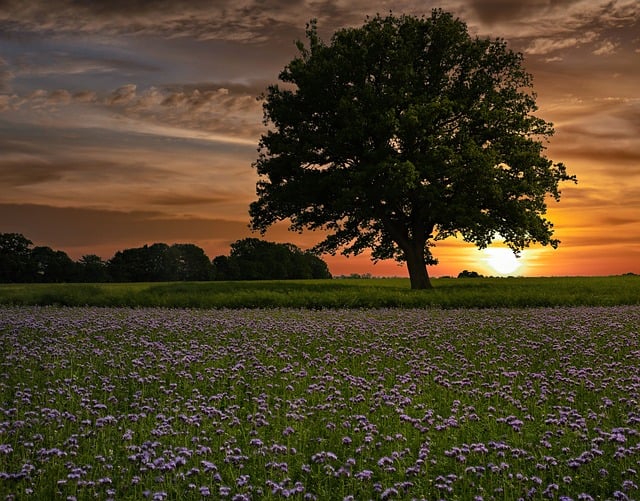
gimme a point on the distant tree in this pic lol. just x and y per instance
(50, 266)
(142, 264)
(469, 274)
(260, 260)
(224, 268)
(19, 262)
(15, 255)
(317, 266)
(403, 132)
(188, 262)
(255, 259)
(92, 269)
(160, 263)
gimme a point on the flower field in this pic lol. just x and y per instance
(150, 403)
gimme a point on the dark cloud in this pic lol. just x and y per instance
(184, 199)
(16, 172)
(249, 21)
(122, 95)
(614, 220)
(600, 239)
(6, 75)
(85, 96)
(31, 156)
(615, 160)
(62, 227)
(493, 11)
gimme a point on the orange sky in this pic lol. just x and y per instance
(129, 123)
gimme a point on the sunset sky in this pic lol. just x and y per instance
(125, 123)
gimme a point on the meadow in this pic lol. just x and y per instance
(337, 293)
(348, 404)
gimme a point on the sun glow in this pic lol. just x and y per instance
(502, 260)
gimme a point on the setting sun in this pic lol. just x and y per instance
(502, 260)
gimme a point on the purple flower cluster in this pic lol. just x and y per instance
(335, 404)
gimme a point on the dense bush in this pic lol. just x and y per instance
(255, 259)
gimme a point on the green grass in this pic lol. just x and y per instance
(337, 293)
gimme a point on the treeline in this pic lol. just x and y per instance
(249, 259)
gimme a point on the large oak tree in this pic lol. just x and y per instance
(403, 132)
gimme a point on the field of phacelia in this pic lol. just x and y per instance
(108, 403)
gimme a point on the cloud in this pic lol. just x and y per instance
(20, 170)
(615, 158)
(85, 96)
(123, 95)
(24, 171)
(549, 45)
(66, 227)
(183, 199)
(5, 102)
(6, 75)
(59, 96)
(218, 110)
(606, 48)
(244, 20)
(121, 168)
(543, 27)
(259, 21)
(228, 114)
(493, 11)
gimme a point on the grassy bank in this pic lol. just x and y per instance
(337, 293)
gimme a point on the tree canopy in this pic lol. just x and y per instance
(160, 263)
(255, 259)
(403, 132)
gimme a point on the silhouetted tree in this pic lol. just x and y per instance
(48, 265)
(255, 259)
(188, 262)
(224, 268)
(469, 274)
(15, 255)
(403, 132)
(142, 264)
(92, 268)
(160, 263)
(249, 259)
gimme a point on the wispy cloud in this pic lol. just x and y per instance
(549, 45)
(606, 48)
(214, 112)
(5, 76)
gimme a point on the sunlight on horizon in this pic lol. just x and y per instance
(502, 260)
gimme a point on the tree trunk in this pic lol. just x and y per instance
(417, 268)
(413, 251)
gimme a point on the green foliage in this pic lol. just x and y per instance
(15, 253)
(255, 259)
(48, 265)
(403, 132)
(469, 274)
(160, 262)
(250, 259)
(337, 293)
(93, 269)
